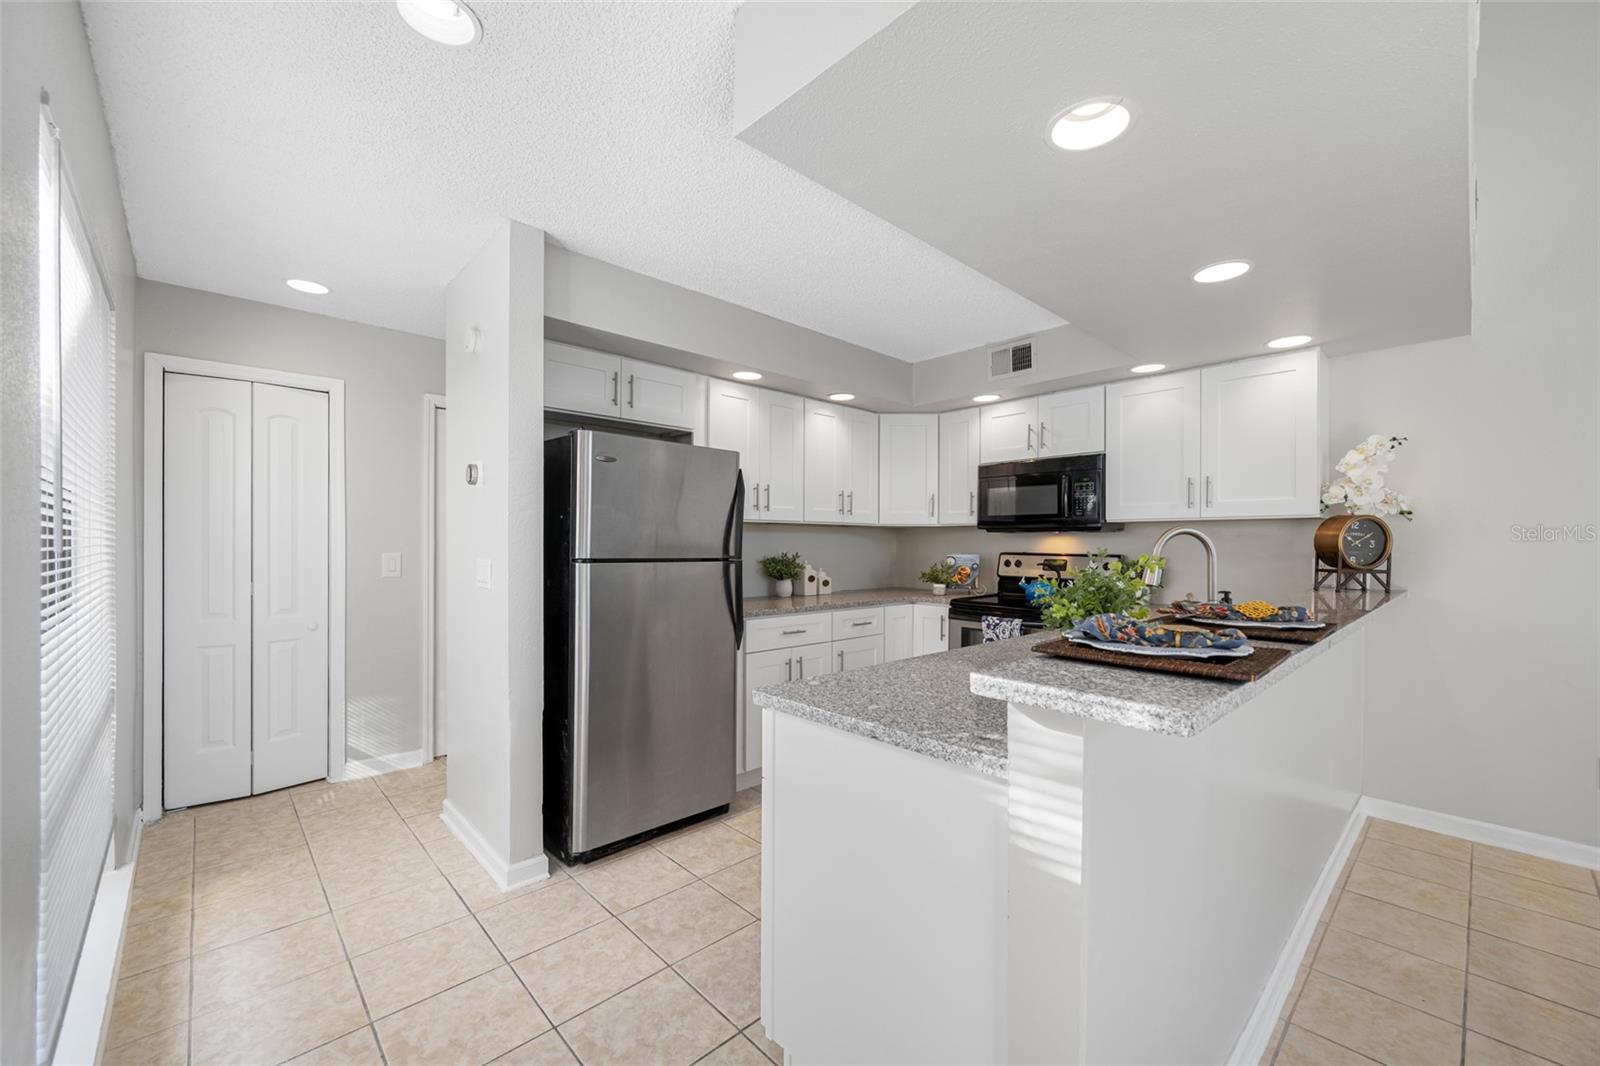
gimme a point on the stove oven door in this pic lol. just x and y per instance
(966, 632)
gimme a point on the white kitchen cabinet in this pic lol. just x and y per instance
(841, 465)
(1153, 448)
(814, 660)
(581, 380)
(660, 395)
(899, 632)
(733, 418)
(958, 468)
(1263, 437)
(1006, 431)
(857, 653)
(908, 470)
(762, 669)
(931, 628)
(781, 455)
(1073, 422)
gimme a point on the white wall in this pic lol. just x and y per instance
(856, 557)
(1485, 703)
(494, 646)
(43, 47)
(386, 374)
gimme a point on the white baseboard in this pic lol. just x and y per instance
(748, 779)
(507, 875)
(382, 764)
(1252, 1042)
(83, 1027)
(1568, 851)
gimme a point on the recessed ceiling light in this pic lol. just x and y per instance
(747, 375)
(312, 288)
(1290, 342)
(841, 397)
(1148, 368)
(1225, 271)
(443, 21)
(988, 397)
(1089, 124)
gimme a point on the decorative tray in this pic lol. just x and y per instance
(1282, 632)
(1237, 670)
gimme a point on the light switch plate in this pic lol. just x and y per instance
(390, 565)
(483, 574)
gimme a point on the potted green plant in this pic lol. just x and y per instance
(1104, 586)
(937, 576)
(783, 568)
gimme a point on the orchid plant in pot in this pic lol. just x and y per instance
(783, 569)
(1360, 486)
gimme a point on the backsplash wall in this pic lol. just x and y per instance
(856, 557)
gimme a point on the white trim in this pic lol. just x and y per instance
(748, 779)
(384, 764)
(1568, 851)
(156, 367)
(88, 1013)
(431, 404)
(506, 875)
(1252, 1042)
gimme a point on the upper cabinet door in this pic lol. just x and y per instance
(1007, 432)
(860, 469)
(577, 379)
(958, 468)
(1263, 440)
(732, 416)
(908, 470)
(1153, 448)
(1073, 422)
(781, 455)
(661, 395)
(827, 462)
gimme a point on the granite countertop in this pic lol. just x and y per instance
(952, 705)
(768, 606)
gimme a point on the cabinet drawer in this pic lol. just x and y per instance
(764, 634)
(864, 622)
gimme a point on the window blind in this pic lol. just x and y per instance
(77, 622)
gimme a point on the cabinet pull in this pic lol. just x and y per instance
(852, 509)
(930, 505)
(789, 674)
(841, 501)
(614, 376)
(802, 668)
(1191, 493)
(630, 390)
(841, 662)
(755, 497)
(972, 503)
(769, 495)
(943, 633)
(792, 632)
(1041, 436)
(1208, 490)
(1030, 436)
(864, 622)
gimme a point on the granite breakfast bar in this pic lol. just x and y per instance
(1076, 862)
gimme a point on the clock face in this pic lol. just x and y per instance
(1364, 542)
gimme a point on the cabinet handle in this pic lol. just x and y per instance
(1208, 490)
(789, 674)
(841, 501)
(852, 509)
(755, 497)
(630, 390)
(972, 503)
(769, 495)
(841, 662)
(614, 376)
(866, 622)
(1041, 436)
(1191, 493)
(1030, 436)
(792, 632)
(944, 634)
(802, 668)
(930, 505)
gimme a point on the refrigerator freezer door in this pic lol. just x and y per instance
(654, 695)
(648, 499)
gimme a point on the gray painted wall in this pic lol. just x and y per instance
(855, 557)
(386, 374)
(43, 48)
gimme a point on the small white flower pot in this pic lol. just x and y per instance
(785, 588)
(937, 590)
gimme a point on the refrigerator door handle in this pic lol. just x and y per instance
(733, 563)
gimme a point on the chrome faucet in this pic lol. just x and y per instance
(1152, 575)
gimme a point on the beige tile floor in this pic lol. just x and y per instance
(1437, 951)
(344, 924)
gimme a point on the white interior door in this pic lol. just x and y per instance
(440, 482)
(206, 648)
(290, 531)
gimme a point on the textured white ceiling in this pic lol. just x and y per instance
(1325, 142)
(261, 141)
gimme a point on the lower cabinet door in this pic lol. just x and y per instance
(762, 669)
(813, 660)
(932, 629)
(858, 653)
(899, 636)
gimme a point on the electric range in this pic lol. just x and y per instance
(1009, 601)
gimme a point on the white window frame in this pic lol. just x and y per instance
(156, 368)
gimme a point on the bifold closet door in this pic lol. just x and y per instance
(206, 604)
(290, 642)
(245, 603)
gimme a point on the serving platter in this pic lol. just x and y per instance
(1123, 648)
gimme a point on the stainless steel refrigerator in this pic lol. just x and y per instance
(643, 620)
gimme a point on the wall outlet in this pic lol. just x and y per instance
(483, 574)
(389, 565)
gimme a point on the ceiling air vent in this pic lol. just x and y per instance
(1010, 359)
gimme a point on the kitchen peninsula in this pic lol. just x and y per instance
(1052, 861)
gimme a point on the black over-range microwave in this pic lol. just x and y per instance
(1058, 494)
